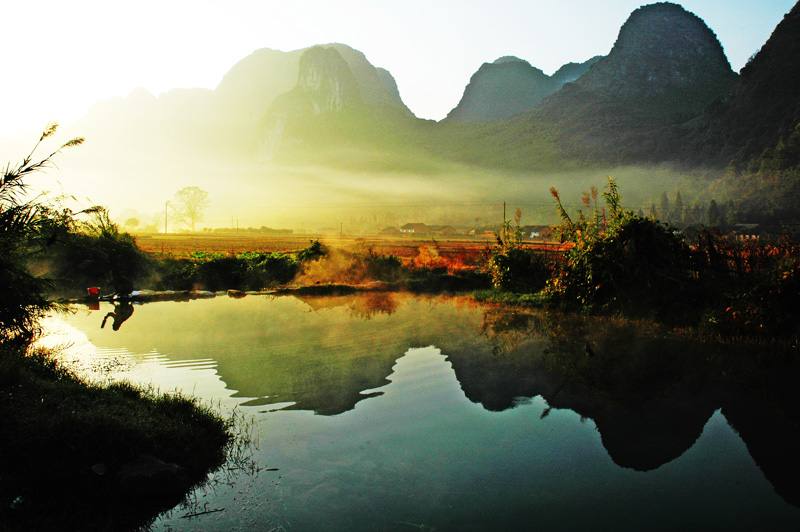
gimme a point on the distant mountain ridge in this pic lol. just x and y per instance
(664, 93)
(331, 79)
(508, 87)
(760, 118)
(661, 47)
(665, 68)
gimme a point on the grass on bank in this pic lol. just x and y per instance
(67, 443)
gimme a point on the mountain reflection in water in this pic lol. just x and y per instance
(650, 394)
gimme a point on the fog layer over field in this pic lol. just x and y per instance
(314, 198)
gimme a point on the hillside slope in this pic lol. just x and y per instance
(664, 69)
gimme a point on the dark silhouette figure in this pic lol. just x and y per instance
(122, 311)
(122, 285)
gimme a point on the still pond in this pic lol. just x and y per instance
(388, 411)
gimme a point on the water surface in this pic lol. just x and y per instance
(395, 412)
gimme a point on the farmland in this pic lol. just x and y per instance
(427, 252)
(469, 251)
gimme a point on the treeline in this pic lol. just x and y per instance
(263, 230)
(711, 213)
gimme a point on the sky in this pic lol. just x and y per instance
(58, 58)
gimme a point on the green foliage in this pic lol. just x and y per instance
(169, 273)
(216, 271)
(85, 253)
(513, 267)
(271, 269)
(381, 267)
(621, 262)
(314, 251)
(22, 224)
(221, 273)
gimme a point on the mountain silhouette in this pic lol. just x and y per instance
(572, 71)
(664, 94)
(510, 86)
(762, 112)
(507, 87)
(665, 68)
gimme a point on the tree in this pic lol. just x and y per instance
(677, 209)
(188, 205)
(23, 226)
(713, 214)
(663, 206)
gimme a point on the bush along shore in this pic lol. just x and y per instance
(615, 263)
(75, 455)
(610, 262)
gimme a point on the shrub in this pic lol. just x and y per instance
(221, 273)
(85, 253)
(314, 251)
(270, 269)
(513, 267)
(381, 267)
(621, 261)
(519, 270)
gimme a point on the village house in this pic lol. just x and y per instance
(415, 229)
(536, 232)
(390, 231)
(443, 230)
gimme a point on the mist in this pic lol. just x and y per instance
(319, 199)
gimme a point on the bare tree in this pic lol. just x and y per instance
(188, 205)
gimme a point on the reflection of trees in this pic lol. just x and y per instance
(505, 329)
(364, 305)
(649, 391)
(373, 303)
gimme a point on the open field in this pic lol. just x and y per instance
(462, 252)
(469, 252)
(181, 244)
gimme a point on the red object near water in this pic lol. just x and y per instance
(94, 291)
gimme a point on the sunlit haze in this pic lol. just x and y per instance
(61, 57)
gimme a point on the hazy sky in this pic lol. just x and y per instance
(58, 57)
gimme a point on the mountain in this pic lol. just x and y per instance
(572, 71)
(665, 68)
(758, 123)
(249, 88)
(376, 85)
(340, 101)
(510, 86)
(664, 93)
(507, 87)
(188, 122)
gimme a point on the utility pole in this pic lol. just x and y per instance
(504, 212)
(166, 210)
